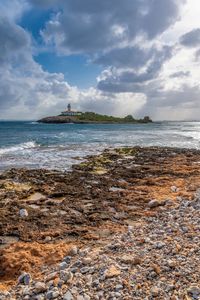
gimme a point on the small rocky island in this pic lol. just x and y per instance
(77, 117)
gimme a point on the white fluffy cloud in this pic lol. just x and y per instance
(149, 54)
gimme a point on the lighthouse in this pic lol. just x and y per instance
(70, 113)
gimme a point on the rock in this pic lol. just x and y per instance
(63, 265)
(40, 287)
(159, 245)
(194, 292)
(129, 259)
(73, 251)
(52, 295)
(118, 287)
(23, 213)
(112, 272)
(67, 259)
(80, 297)
(153, 203)
(174, 189)
(25, 279)
(51, 276)
(66, 276)
(155, 292)
(84, 270)
(68, 296)
(86, 260)
(47, 239)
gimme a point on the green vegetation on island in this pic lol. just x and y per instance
(94, 117)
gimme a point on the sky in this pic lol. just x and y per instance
(114, 57)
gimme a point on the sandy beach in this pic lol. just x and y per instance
(120, 225)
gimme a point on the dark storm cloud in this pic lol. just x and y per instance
(191, 38)
(126, 80)
(125, 57)
(92, 25)
(180, 74)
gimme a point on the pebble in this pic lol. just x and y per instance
(153, 203)
(68, 296)
(25, 279)
(40, 287)
(23, 213)
(66, 276)
(159, 259)
(52, 295)
(194, 292)
(73, 251)
(63, 265)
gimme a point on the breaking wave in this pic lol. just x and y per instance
(19, 147)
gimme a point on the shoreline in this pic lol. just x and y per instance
(94, 205)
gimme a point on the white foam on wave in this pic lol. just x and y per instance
(19, 147)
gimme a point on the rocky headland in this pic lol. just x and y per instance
(121, 225)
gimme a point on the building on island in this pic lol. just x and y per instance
(70, 112)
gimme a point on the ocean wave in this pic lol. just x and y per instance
(19, 147)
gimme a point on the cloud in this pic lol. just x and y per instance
(191, 38)
(128, 80)
(91, 26)
(180, 74)
(125, 37)
(12, 39)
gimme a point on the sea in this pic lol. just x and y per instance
(27, 144)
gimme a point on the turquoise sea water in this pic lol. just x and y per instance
(57, 146)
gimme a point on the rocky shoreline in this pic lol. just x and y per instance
(121, 225)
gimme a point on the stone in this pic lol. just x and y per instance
(84, 270)
(25, 279)
(155, 291)
(68, 296)
(51, 276)
(66, 276)
(174, 189)
(80, 297)
(86, 260)
(67, 259)
(52, 295)
(129, 259)
(40, 287)
(113, 271)
(23, 213)
(73, 251)
(63, 265)
(47, 239)
(194, 292)
(153, 203)
(159, 245)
